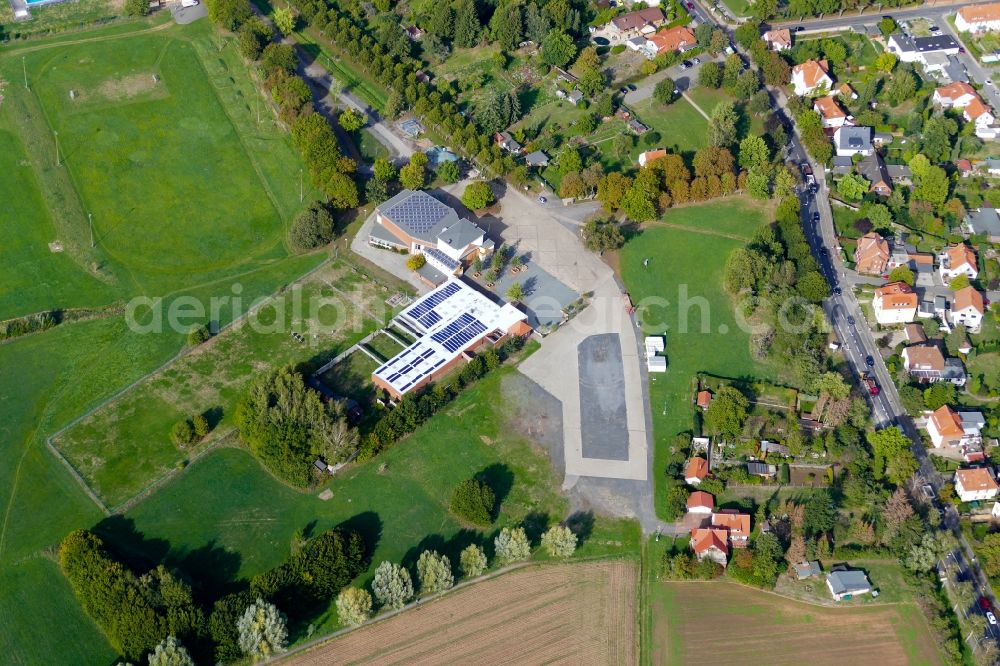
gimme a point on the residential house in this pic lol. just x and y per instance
(846, 584)
(957, 260)
(695, 471)
(651, 156)
(984, 222)
(895, 303)
(978, 18)
(642, 22)
(992, 166)
(575, 97)
(700, 502)
(982, 116)
(736, 524)
(964, 167)
(842, 166)
(767, 447)
(899, 174)
(536, 159)
(926, 363)
(810, 76)
(955, 95)
(679, 38)
(975, 484)
(710, 543)
(915, 333)
(967, 308)
(830, 112)
(778, 40)
(952, 429)
(756, 468)
(914, 49)
(845, 90)
(508, 143)
(873, 169)
(418, 223)
(704, 399)
(805, 570)
(871, 256)
(936, 63)
(849, 141)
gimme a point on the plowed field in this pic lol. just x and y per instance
(553, 614)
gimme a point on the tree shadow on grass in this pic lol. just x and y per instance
(500, 479)
(451, 548)
(369, 526)
(129, 544)
(581, 523)
(214, 568)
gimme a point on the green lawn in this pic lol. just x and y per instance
(352, 377)
(183, 185)
(370, 148)
(223, 532)
(680, 126)
(59, 17)
(385, 346)
(685, 268)
(126, 445)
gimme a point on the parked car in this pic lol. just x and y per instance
(684, 66)
(696, 61)
(815, 217)
(991, 617)
(838, 291)
(870, 361)
(623, 90)
(542, 199)
(985, 604)
(690, 5)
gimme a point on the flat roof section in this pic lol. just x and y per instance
(602, 398)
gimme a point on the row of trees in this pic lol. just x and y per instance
(287, 425)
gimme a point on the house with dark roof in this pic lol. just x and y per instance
(508, 143)
(983, 222)
(849, 141)
(873, 169)
(536, 159)
(845, 584)
(418, 223)
(644, 21)
(915, 49)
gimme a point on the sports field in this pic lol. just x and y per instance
(680, 125)
(158, 146)
(687, 252)
(692, 619)
(554, 614)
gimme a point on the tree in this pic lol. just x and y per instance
(939, 394)
(559, 541)
(512, 545)
(312, 228)
(893, 458)
(434, 572)
(758, 183)
(284, 20)
(229, 14)
(833, 384)
(638, 203)
(515, 292)
(354, 606)
(416, 261)
(853, 187)
(569, 161)
(767, 555)
(665, 91)
(478, 195)
(754, 152)
(472, 561)
(384, 170)
(820, 514)
(170, 652)
(886, 26)
(722, 125)
(474, 501)
(263, 631)
(253, 36)
(558, 48)
(442, 21)
(279, 57)
(507, 25)
(796, 553)
(727, 412)
(897, 511)
(137, 8)
(747, 84)
(602, 235)
(901, 274)
(959, 282)
(351, 120)
(989, 550)
(925, 555)
(886, 62)
(448, 172)
(392, 585)
(336, 440)
(376, 191)
(467, 26)
(710, 75)
(412, 176)
(200, 425)
(182, 433)
(932, 186)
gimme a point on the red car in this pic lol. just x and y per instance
(985, 604)
(690, 5)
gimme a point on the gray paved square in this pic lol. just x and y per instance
(603, 426)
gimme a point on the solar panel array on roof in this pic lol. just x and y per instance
(428, 304)
(419, 212)
(441, 258)
(459, 333)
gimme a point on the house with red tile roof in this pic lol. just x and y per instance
(810, 76)
(978, 18)
(895, 303)
(704, 399)
(736, 524)
(957, 260)
(955, 95)
(952, 429)
(778, 40)
(651, 156)
(695, 471)
(700, 502)
(871, 255)
(711, 543)
(845, 90)
(830, 111)
(975, 484)
(679, 38)
(967, 309)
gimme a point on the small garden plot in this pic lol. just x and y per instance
(812, 477)
(352, 378)
(478, 72)
(384, 346)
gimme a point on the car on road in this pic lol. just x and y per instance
(623, 90)
(934, 28)
(985, 604)
(684, 66)
(838, 291)
(688, 63)
(690, 5)
(799, 28)
(870, 361)
(991, 617)
(989, 82)
(850, 321)
(870, 384)
(961, 49)
(696, 61)
(542, 200)
(815, 217)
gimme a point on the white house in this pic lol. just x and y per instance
(952, 429)
(955, 95)
(710, 543)
(651, 156)
(975, 484)
(830, 111)
(895, 303)
(844, 584)
(957, 260)
(967, 308)
(810, 76)
(778, 40)
(700, 502)
(695, 471)
(850, 141)
(916, 49)
(978, 18)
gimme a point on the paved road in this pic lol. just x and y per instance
(684, 79)
(929, 11)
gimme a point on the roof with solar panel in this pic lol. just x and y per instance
(447, 321)
(418, 214)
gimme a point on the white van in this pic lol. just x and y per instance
(189, 3)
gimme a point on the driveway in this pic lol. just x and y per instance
(684, 79)
(392, 262)
(185, 15)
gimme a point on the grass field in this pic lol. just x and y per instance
(201, 192)
(126, 445)
(692, 619)
(572, 613)
(686, 261)
(680, 125)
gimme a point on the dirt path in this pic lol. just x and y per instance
(696, 107)
(103, 38)
(695, 230)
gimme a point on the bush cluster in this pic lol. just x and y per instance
(473, 501)
(33, 323)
